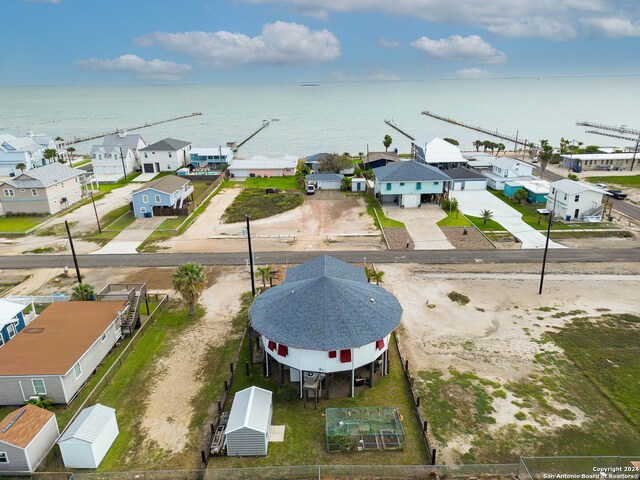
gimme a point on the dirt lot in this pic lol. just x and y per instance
(328, 220)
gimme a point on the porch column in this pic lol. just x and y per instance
(371, 374)
(301, 380)
(266, 364)
(281, 373)
(353, 378)
(250, 348)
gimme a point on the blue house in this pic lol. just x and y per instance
(168, 195)
(203, 160)
(409, 184)
(13, 319)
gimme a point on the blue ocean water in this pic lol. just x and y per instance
(334, 117)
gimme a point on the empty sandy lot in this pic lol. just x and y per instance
(328, 220)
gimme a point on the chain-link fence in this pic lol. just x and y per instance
(583, 468)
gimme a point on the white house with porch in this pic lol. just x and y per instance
(117, 156)
(571, 200)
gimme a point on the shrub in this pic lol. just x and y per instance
(459, 298)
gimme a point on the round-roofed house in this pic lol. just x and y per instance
(323, 319)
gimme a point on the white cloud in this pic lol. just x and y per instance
(614, 27)
(279, 43)
(553, 20)
(387, 43)
(373, 74)
(472, 73)
(138, 67)
(466, 49)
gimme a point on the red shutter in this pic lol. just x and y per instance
(283, 350)
(332, 354)
(345, 356)
(272, 345)
(380, 344)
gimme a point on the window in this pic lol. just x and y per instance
(38, 386)
(145, 198)
(143, 209)
(1, 340)
(157, 198)
(77, 370)
(272, 345)
(565, 196)
(333, 354)
(283, 350)
(99, 157)
(168, 166)
(345, 356)
(34, 192)
(103, 337)
(380, 344)
(577, 198)
(170, 155)
(146, 155)
(418, 185)
(436, 183)
(4, 458)
(11, 330)
(22, 189)
(8, 192)
(402, 184)
(388, 186)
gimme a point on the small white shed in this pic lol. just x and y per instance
(88, 439)
(247, 432)
(358, 184)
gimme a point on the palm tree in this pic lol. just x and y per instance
(377, 276)
(485, 215)
(501, 147)
(83, 292)
(477, 144)
(520, 195)
(453, 205)
(21, 166)
(70, 150)
(545, 155)
(263, 273)
(49, 154)
(452, 141)
(189, 281)
(387, 142)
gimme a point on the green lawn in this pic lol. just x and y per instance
(304, 428)
(385, 222)
(490, 225)
(171, 223)
(454, 219)
(109, 187)
(623, 181)
(258, 204)
(20, 224)
(283, 183)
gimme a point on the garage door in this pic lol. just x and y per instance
(475, 185)
(148, 168)
(410, 201)
(458, 185)
(328, 185)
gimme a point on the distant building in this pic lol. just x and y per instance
(170, 192)
(600, 161)
(379, 159)
(574, 200)
(118, 155)
(27, 150)
(409, 184)
(209, 159)
(313, 161)
(165, 156)
(505, 169)
(466, 179)
(13, 319)
(42, 190)
(437, 152)
(262, 166)
(537, 190)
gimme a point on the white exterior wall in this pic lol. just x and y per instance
(39, 446)
(167, 160)
(319, 361)
(566, 204)
(108, 165)
(9, 160)
(470, 185)
(329, 184)
(77, 453)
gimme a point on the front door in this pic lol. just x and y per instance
(157, 167)
(576, 213)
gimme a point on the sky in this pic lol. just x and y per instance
(53, 42)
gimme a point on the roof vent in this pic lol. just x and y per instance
(33, 330)
(372, 300)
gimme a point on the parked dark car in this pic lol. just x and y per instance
(617, 194)
(272, 190)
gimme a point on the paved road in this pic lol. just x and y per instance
(620, 205)
(381, 256)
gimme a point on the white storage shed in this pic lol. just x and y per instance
(88, 439)
(247, 432)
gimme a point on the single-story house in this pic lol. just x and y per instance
(247, 431)
(13, 319)
(504, 169)
(325, 181)
(574, 200)
(599, 161)
(466, 179)
(537, 190)
(262, 166)
(118, 154)
(409, 183)
(437, 152)
(42, 190)
(165, 195)
(165, 156)
(378, 159)
(26, 435)
(73, 337)
(313, 161)
(87, 440)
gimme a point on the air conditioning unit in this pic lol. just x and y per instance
(34, 397)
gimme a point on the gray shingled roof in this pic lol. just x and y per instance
(464, 174)
(325, 305)
(410, 171)
(324, 177)
(168, 184)
(168, 144)
(44, 176)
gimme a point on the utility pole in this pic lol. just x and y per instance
(73, 252)
(95, 210)
(253, 282)
(546, 245)
(124, 169)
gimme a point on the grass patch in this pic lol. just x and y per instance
(489, 225)
(283, 183)
(579, 234)
(624, 181)
(374, 206)
(113, 229)
(58, 230)
(14, 225)
(454, 219)
(258, 204)
(110, 187)
(304, 442)
(172, 223)
(41, 250)
(457, 297)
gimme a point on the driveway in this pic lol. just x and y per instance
(473, 202)
(129, 239)
(422, 225)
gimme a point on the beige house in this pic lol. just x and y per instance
(42, 190)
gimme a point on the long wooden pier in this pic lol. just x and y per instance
(135, 127)
(395, 127)
(265, 124)
(503, 136)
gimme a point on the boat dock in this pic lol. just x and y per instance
(136, 127)
(503, 136)
(395, 127)
(265, 124)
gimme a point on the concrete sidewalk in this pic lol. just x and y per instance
(129, 239)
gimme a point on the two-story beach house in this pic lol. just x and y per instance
(117, 156)
(574, 200)
(42, 190)
(409, 184)
(207, 160)
(13, 318)
(58, 351)
(505, 169)
(164, 196)
(167, 155)
(27, 150)
(437, 152)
